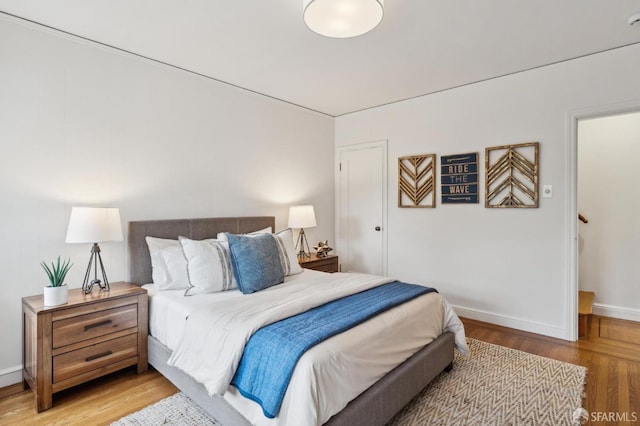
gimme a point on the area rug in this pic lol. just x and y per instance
(493, 386)
(499, 386)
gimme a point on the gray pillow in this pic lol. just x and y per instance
(256, 261)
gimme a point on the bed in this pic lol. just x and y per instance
(375, 405)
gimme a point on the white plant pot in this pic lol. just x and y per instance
(54, 296)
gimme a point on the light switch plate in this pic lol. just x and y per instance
(547, 191)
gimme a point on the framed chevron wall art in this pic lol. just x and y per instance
(416, 181)
(511, 176)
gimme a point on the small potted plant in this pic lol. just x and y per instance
(57, 293)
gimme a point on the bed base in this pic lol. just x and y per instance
(374, 407)
(385, 398)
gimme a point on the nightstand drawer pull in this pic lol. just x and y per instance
(98, 324)
(94, 357)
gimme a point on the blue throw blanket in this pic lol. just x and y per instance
(273, 351)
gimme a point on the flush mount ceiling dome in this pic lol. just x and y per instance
(342, 18)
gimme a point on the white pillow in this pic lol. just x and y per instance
(288, 255)
(223, 235)
(209, 266)
(169, 266)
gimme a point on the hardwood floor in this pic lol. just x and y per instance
(99, 402)
(611, 352)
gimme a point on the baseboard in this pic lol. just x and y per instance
(513, 322)
(10, 376)
(616, 312)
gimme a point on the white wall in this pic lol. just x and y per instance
(608, 196)
(82, 124)
(507, 266)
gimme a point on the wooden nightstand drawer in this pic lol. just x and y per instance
(94, 357)
(324, 264)
(329, 265)
(88, 326)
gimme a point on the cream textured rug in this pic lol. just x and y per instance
(494, 386)
(499, 386)
(176, 410)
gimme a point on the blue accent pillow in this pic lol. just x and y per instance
(256, 261)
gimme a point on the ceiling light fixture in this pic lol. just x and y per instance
(342, 18)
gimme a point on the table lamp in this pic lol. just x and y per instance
(94, 225)
(302, 217)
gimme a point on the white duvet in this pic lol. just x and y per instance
(329, 375)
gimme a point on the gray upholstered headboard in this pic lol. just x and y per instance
(197, 229)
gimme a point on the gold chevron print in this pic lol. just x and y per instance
(416, 177)
(512, 178)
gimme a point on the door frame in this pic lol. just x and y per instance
(385, 183)
(572, 200)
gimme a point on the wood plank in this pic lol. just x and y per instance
(622, 349)
(143, 331)
(623, 387)
(92, 374)
(11, 390)
(620, 330)
(94, 341)
(633, 375)
(92, 358)
(585, 302)
(76, 296)
(94, 306)
(87, 326)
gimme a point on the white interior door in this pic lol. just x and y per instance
(362, 200)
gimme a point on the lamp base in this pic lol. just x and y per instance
(301, 243)
(95, 258)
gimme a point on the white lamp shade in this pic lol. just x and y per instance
(342, 18)
(94, 225)
(302, 217)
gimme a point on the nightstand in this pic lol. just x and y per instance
(324, 264)
(89, 336)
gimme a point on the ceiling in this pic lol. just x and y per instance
(421, 46)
